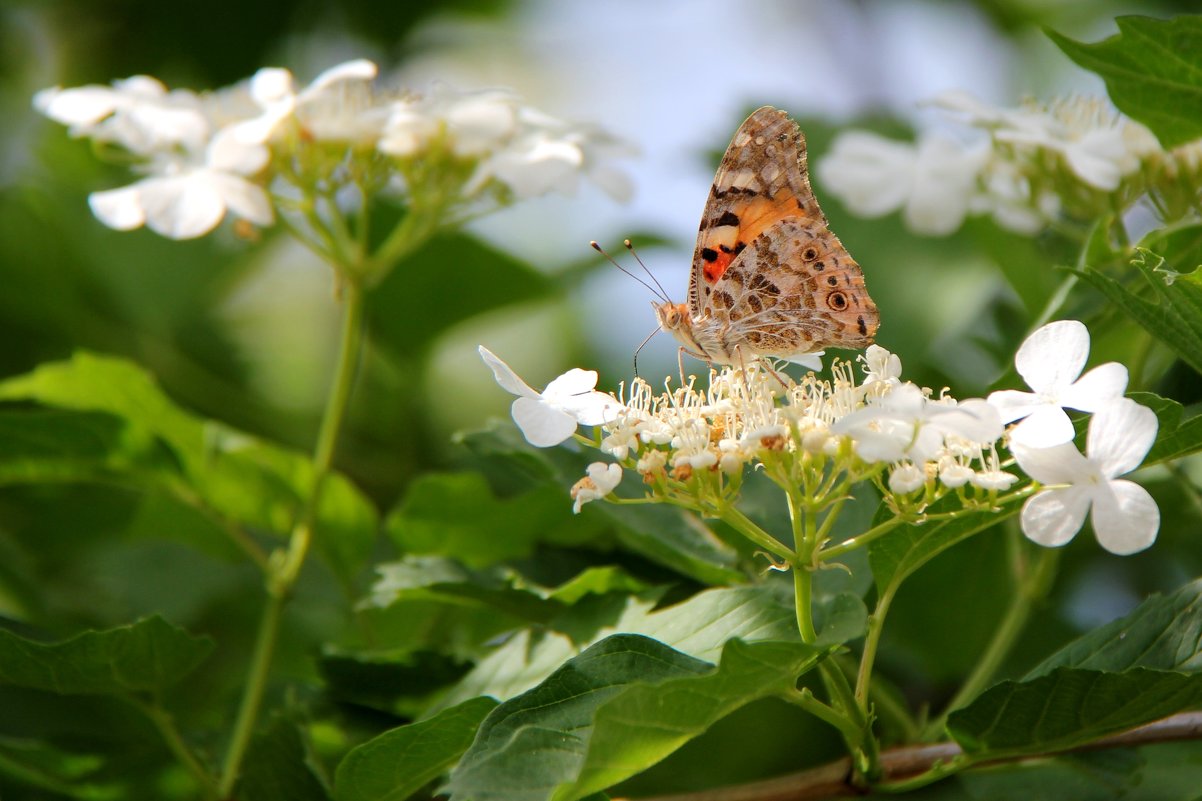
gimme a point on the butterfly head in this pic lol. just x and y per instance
(676, 319)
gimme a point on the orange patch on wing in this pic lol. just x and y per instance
(714, 269)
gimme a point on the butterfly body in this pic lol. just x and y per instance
(769, 278)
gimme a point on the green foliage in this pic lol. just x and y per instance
(144, 657)
(1069, 707)
(1152, 72)
(619, 707)
(125, 428)
(400, 762)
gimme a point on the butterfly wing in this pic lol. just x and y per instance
(767, 268)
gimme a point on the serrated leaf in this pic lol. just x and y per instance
(1161, 633)
(647, 722)
(277, 767)
(398, 763)
(1152, 70)
(530, 744)
(431, 578)
(1175, 316)
(146, 656)
(699, 626)
(239, 477)
(1069, 707)
(908, 547)
(614, 710)
(1175, 438)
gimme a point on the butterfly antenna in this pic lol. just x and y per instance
(639, 348)
(658, 293)
(629, 246)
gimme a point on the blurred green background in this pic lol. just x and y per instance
(244, 332)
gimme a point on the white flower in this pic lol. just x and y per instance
(931, 181)
(906, 478)
(1125, 517)
(1050, 360)
(601, 480)
(137, 113)
(906, 424)
(187, 197)
(549, 417)
(880, 366)
(320, 107)
(953, 474)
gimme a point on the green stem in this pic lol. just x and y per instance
(860, 541)
(747, 527)
(285, 566)
(175, 743)
(806, 700)
(803, 598)
(1031, 582)
(876, 624)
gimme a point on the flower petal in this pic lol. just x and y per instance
(182, 206)
(245, 199)
(542, 425)
(1013, 404)
(1096, 388)
(120, 209)
(1120, 435)
(573, 382)
(506, 377)
(590, 408)
(1052, 357)
(1054, 517)
(1126, 518)
(1060, 464)
(1044, 427)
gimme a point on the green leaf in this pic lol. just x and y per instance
(39, 764)
(237, 476)
(598, 581)
(617, 708)
(647, 722)
(1161, 633)
(400, 762)
(1175, 315)
(908, 547)
(671, 537)
(146, 656)
(1069, 707)
(1175, 437)
(699, 626)
(431, 578)
(843, 618)
(1152, 71)
(277, 767)
(457, 515)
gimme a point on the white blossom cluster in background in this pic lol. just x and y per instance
(1026, 167)
(692, 446)
(245, 150)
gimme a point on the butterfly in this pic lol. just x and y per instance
(769, 278)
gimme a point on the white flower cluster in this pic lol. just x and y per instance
(1025, 167)
(694, 445)
(208, 154)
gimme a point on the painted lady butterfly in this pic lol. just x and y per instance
(769, 278)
